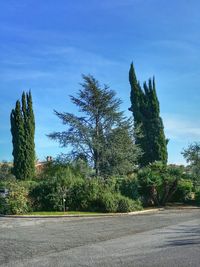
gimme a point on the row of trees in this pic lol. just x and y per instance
(126, 157)
(102, 135)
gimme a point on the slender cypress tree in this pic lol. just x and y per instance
(30, 125)
(23, 130)
(18, 140)
(146, 112)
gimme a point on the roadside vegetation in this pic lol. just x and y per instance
(113, 164)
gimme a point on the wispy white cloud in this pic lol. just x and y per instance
(52, 62)
(23, 74)
(76, 54)
(181, 129)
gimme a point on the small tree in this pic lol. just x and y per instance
(158, 182)
(192, 156)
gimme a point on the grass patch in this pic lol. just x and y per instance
(60, 213)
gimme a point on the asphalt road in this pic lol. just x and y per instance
(167, 238)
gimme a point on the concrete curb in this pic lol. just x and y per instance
(85, 216)
(182, 207)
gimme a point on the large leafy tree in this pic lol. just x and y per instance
(146, 113)
(99, 130)
(23, 130)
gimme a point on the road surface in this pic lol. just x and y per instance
(166, 238)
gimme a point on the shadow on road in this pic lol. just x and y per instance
(185, 236)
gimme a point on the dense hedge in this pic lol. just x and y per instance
(61, 186)
(83, 195)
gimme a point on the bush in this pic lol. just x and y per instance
(108, 202)
(61, 182)
(197, 197)
(17, 201)
(95, 195)
(128, 187)
(158, 183)
(87, 195)
(55, 188)
(4, 208)
(126, 204)
(184, 191)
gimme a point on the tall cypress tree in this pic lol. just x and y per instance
(18, 140)
(23, 130)
(146, 112)
(30, 125)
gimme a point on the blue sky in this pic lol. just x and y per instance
(45, 46)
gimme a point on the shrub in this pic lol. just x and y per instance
(85, 195)
(128, 187)
(95, 195)
(4, 208)
(61, 182)
(6, 172)
(197, 197)
(158, 183)
(17, 201)
(55, 188)
(108, 202)
(184, 191)
(126, 204)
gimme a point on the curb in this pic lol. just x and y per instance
(85, 216)
(182, 207)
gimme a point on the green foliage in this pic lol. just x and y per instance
(81, 166)
(99, 131)
(121, 144)
(184, 191)
(197, 197)
(6, 172)
(96, 195)
(29, 121)
(108, 202)
(17, 201)
(18, 140)
(54, 188)
(126, 204)
(63, 181)
(128, 186)
(4, 208)
(82, 194)
(146, 113)
(158, 182)
(192, 156)
(23, 130)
